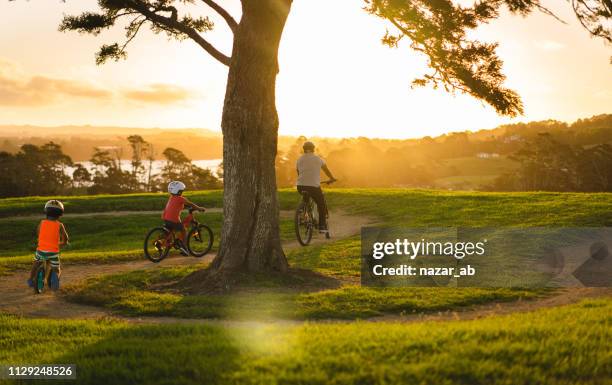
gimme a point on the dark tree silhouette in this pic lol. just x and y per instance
(436, 28)
(35, 170)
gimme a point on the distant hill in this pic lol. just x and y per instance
(79, 141)
(199, 143)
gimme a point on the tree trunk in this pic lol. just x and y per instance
(250, 239)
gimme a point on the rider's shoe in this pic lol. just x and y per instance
(323, 230)
(54, 282)
(30, 282)
(181, 247)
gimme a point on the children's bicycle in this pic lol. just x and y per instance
(45, 275)
(160, 240)
(307, 218)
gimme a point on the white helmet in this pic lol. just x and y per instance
(176, 187)
(54, 208)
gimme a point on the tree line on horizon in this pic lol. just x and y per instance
(575, 157)
(44, 170)
(547, 155)
(596, 129)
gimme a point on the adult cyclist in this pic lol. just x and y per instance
(309, 168)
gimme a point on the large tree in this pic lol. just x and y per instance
(436, 28)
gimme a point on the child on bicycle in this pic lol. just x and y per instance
(172, 213)
(51, 235)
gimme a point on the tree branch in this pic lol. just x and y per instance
(231, 22)
(174, 24)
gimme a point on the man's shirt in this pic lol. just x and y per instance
(309, 170)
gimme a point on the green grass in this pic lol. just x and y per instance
(9, 265)
(97, 239)
(444, 208)
(337, 259)
(136, 293)
(101, 203)
(389, 206)
(565, 345)
(394, 206)
(340, 259)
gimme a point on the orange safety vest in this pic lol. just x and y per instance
(49, 236)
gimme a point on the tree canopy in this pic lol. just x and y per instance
(436, 28)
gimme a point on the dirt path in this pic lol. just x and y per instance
(17, 298)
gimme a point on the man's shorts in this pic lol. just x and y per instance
(176, 226)
(51, 256)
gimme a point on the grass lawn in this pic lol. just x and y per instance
(565, 345)
(445, 208)
(393, 206)
(99, 239)
(101, 203)
(138, 293)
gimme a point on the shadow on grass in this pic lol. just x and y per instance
(156, 354)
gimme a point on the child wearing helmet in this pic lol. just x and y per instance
(51, 235)
(172, 212)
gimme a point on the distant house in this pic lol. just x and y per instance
(487, 155)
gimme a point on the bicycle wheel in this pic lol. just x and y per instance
(157, 244)
(39, 279)
(199, 240)
(303, 224)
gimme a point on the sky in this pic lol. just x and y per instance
(336, 78)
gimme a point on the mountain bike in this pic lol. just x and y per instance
(160, 240)
(307, 218)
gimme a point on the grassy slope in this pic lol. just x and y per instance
(100, 239)
(567, 345)
(399, 206)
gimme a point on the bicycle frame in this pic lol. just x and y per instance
(309, 208)
(189, 221)
(47, 268)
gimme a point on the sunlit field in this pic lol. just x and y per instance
(551, 346)
(313, 325)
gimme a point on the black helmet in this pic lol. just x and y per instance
(308, 146)
(54, 208)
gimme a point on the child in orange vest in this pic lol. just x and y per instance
(51, 235)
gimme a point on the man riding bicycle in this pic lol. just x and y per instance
(309, 168)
